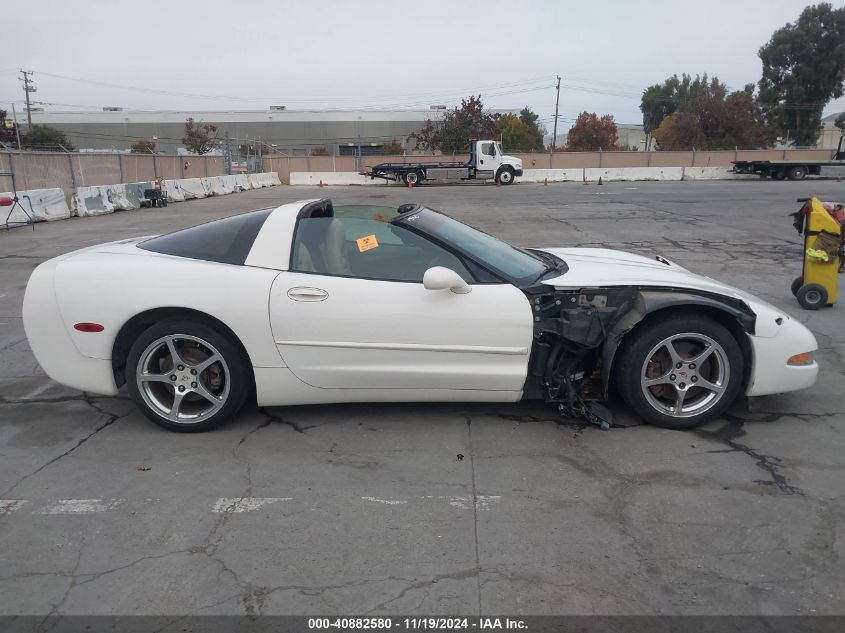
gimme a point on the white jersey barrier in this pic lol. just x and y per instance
(43, 205)
(51, 204)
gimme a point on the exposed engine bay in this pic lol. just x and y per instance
(577, 332)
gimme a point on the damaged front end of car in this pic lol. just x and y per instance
(577, 333)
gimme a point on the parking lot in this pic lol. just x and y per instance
(437, 508)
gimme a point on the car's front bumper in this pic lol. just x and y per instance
(517, 172)
(770, 371)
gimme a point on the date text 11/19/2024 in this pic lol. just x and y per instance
(417, 623)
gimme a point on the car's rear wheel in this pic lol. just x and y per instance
(680, 371)
(186, 375)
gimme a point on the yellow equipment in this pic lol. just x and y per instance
(817, 285)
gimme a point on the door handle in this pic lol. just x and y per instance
(307, 294)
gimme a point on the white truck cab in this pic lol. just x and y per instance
(490, 162)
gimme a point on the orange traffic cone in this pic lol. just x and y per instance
(545, 182)
(600, 180)
(410, 185)
(586, 182)
(321, 183)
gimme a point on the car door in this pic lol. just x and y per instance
(335, 329)
(488, 160)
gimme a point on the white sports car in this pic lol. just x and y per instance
(311, 303)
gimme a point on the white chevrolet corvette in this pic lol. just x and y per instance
(311, 303)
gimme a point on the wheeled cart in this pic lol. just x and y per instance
(823, 251)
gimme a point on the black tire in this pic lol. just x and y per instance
(796, 173)
(505, 176)
(812, 296)
(796, 285)
(632, 364)
(233, 388)
(412, 177)
(163, 202)
(778, 175)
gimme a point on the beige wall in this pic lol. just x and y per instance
(47, 170)
(560, 160)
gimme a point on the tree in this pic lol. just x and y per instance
(392, 147)
(679, 131)
(458, 127)
(803, 69)
(711, 116)
(46, 138)
(538, 131)
(143, 147)
(840, 121)
(589, 132)
(200, 138)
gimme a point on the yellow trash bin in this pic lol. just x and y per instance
(817, 285)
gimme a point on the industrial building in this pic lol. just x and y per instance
(293, 132)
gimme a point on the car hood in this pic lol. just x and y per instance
(592, 267)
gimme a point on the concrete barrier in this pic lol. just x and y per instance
(241, 182)
(44, 205)
(134, 192)
(192, 188)
(173, 190)
(711, 173)
(88, 201)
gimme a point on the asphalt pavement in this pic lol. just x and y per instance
(437, 508)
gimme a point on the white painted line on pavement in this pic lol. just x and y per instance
(7, 506)
(390, 502)
(244, 504)
(81, 506)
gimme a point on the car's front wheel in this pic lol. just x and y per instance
(679, 371)
(186, 375)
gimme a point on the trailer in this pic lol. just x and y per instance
(487, 161)
(794, 169)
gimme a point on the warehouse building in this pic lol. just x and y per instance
(294, 132)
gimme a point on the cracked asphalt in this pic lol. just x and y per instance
(368, 508)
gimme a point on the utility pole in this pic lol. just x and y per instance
(28, 87)
(554, 133)
(17, 127)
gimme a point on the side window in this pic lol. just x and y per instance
(368, 249)
(487, 148)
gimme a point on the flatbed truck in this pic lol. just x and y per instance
(794, 169)
(487, 161)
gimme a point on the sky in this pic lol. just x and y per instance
(248, 55)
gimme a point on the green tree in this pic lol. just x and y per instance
(591, 132)
(840, 121)
(143, 147)
(680, 131)
(538, 131)
(516, 136)
(459, 126)
(44, 137)
(803, 69)
(200, 138)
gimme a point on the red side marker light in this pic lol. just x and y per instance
(88, 327)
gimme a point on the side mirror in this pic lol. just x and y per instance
(440, 278)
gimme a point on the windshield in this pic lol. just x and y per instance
(512, 263)
(499, 149)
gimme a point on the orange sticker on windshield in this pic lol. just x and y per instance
(366, 243)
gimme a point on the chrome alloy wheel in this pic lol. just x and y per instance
(183, 378)
(685, 375)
